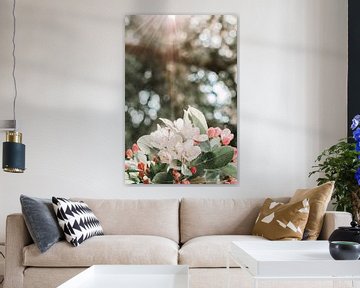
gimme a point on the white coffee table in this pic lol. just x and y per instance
(131, 276)
(297, 260)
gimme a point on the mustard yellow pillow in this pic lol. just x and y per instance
(319, 198)
(279, 221)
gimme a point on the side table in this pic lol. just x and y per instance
(293, 263)
(131, 276)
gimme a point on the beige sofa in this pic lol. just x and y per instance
(195, 232)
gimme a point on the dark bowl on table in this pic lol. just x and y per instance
(344, 250)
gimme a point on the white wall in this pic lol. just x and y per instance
(70, 72)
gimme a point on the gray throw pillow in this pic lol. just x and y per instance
(41, 221)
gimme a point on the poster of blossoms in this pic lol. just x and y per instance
(181, 99)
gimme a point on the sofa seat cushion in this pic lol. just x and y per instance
(211, 251)
(107, 249)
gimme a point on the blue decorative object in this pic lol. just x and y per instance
(357, 176)
(355, 122)
(356, 134)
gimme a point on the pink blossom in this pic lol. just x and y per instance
(211, 132)
(233, 181)
(214, 132)
(135, 148)
(185, 181)
(235, 154)
(146, 180)
(129, 153)
(226, 136)
(141, 166)
(217, 132)
(230, 180)
(176, 175)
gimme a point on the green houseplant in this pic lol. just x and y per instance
(341, 163)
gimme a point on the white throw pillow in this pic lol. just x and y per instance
(77, 220)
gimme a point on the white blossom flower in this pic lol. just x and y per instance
(190, 151)
(188, 131)
(165, 156)
(164, 138)
(176, 141)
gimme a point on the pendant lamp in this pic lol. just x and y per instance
(13, 160)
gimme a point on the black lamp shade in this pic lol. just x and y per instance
(13, 157)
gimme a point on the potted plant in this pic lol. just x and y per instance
(341, 163)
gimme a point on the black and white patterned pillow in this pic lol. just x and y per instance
(77, 220)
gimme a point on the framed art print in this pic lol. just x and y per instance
(181, 99)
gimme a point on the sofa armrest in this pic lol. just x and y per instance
(17, 237)
(333, 220)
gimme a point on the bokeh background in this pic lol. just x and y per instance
(172, 61)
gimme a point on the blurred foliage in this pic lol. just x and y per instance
(175, 61)
(339, 163)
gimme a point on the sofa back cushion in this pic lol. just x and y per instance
(158, 217)
(200, 217)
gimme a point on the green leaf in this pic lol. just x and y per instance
(229, 170)
(162, 178)
(219, 157)
(215, 142)
(131, 178)
(215, 159)
(130, 170)
(212, 176)
(185, 170)
(198, 119)
(130, 181)
(205, 146)
(198, 180)
(156, 168)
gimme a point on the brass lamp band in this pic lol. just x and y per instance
(13, 170)
(14, 136)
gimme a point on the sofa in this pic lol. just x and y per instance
(190, 231)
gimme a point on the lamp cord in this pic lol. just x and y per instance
(14, 61)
